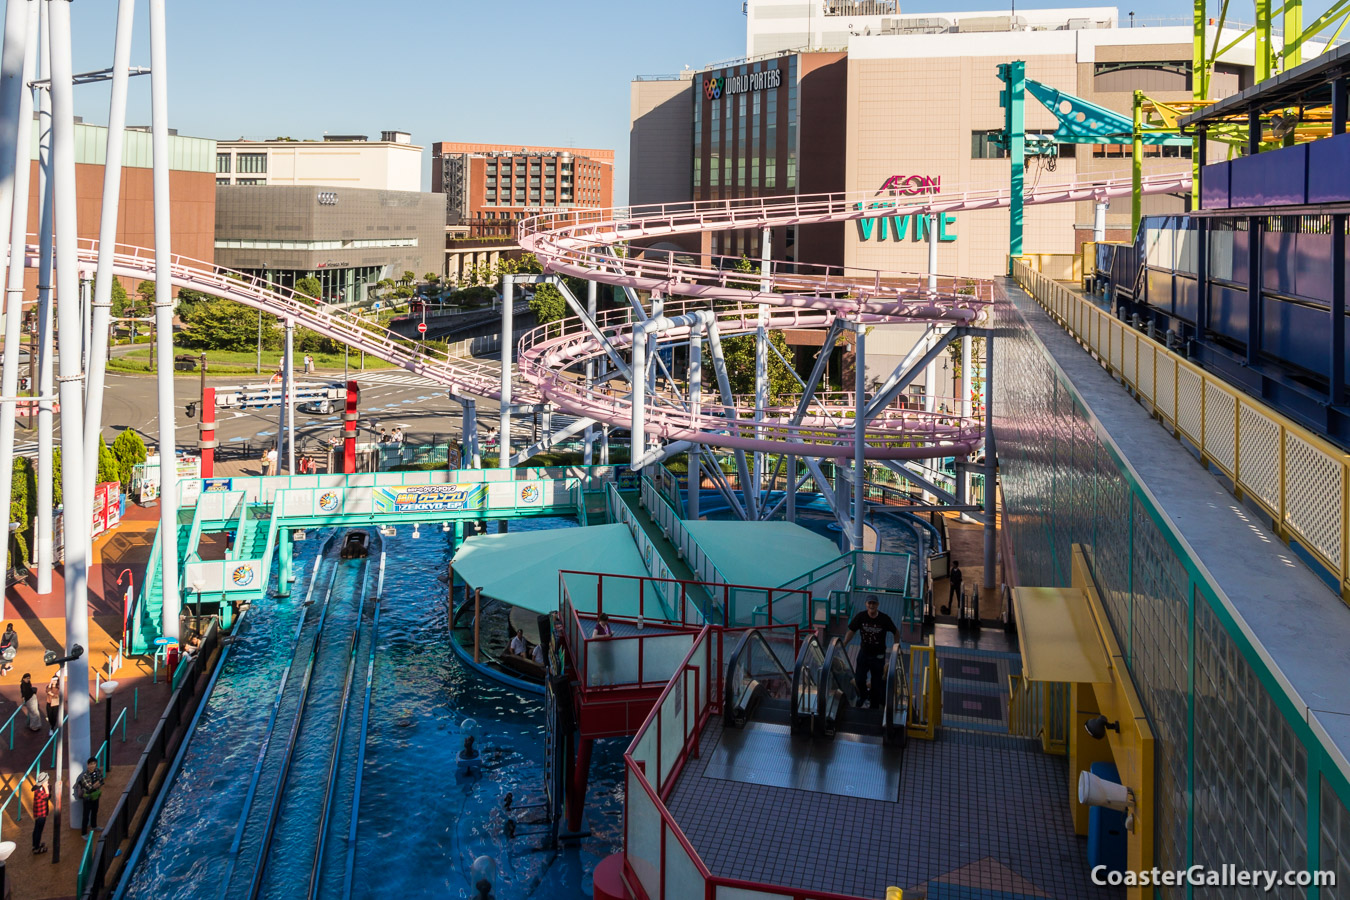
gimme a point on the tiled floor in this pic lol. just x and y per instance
(980, 817)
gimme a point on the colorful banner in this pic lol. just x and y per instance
(431, 498)
(217, 485)
(530, 494)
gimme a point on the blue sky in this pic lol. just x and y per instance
(501, 71)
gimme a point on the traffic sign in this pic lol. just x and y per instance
(422, 327)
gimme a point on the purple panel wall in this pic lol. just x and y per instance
(1214, 186)
(1275, 178)
(1329, 169)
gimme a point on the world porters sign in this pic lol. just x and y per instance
(727, 85)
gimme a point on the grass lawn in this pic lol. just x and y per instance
(230, 362)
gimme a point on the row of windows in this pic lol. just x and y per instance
(316, 245)
(220, 181)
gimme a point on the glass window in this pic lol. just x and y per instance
(252, 163)
(222, 162)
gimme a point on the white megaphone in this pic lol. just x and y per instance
(1097, 791)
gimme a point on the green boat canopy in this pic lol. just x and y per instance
(762, 554)
(522, 569)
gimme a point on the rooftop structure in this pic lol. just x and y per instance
(392, 163)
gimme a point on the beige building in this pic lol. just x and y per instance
(938, 126)
(393, 163)
(661, 117)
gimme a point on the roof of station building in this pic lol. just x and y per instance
(522, 568)
(761, 554)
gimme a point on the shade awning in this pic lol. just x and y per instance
(522, 568)
(1058, 636)
(761, 554)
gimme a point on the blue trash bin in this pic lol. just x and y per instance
(1108, 841)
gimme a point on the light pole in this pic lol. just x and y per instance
(126, 602)
(51, 659)
(108, 688)
(6, 850)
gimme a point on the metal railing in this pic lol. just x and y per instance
(122, 823)
(1039, 710)
(643, 659)
(659, 858)
(1301, 480)
(34, 769)
(672, 525)
(925, 690)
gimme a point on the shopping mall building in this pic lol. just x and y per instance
(876, 101)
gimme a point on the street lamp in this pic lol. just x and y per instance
(6, 850)
(51, 659)
(126, 601)
(108, 688)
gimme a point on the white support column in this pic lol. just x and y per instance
(107, 234)
(43, 532)
(588, 453)
(637, 441)
(930, 376)
(74, 484)
(20, 53)
(694, 489)
(754, 491)
(168, 449)
(1099, 221)
(288, 407)
(469, 429)
(932, 252)
(13, 85)
(859, 432)
(508, 342)
(967, 378)
(990, 465)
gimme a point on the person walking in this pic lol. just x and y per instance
(954, 579)
(9, 648)
(42, 803)
(30, 702)
(89, 788)
(53, 703)
(871, 626)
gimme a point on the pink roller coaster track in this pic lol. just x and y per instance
(586, 245)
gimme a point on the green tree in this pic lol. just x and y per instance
(107, 463)
(548, 304)
(404, 291)
(215, 324)
(739, 353)
(146, 291)
(307, 341)
(128, 449)
(408, 277)
(311, 287)
(22, 508)
(431, 278)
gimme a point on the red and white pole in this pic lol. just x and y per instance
(207, 441)
(349, 429)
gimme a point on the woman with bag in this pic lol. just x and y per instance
(30, 702)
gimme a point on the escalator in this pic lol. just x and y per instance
(819, 699)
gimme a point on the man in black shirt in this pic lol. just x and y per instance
(871, 627)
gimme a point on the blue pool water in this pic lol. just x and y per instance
(419, 826)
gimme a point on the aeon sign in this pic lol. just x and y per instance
(909, 185)
(913, 227)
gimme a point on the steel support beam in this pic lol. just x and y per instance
(990, 467)
(894, 386)
(74, 485)
(859, 433)
(20, 53)
(101, 311)
(508, 344)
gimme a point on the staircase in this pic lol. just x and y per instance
(252, 543)
(148, 618)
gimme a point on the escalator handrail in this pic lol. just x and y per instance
(799, 670)
(897, 688)
(835, 649)
(729, 691)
